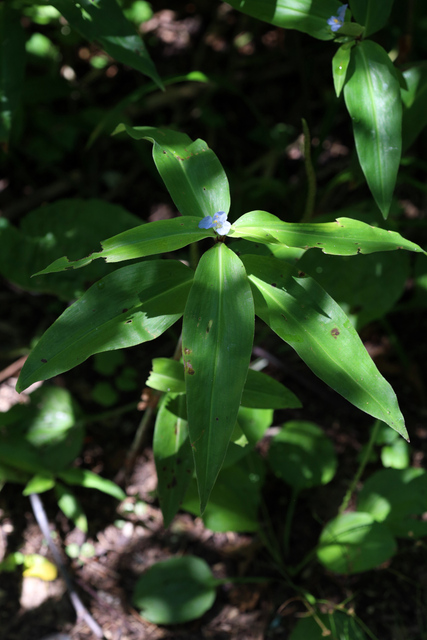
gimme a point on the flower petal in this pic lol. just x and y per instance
(206, 223)
(224, 228)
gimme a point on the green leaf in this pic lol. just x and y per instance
(372, 96)
(344, 237)
(396, 497)
(302, 455)
(12, 67)
(70, 227)
(217, 338)
(175, 591)
(355, 542)
(396, 455)
(85, 478)
(366, 287)
(263, 392)
(254, 423)
(192, 173)
(71, 507)
(308, 16)
(132, 305)
(45, 436)
(312, 323)
(414, 97)
(234, 501)
(371, 13)
(102, 21)
(340, 625)
(340, 63)
(260, 391)
(39, 484)
(167, 375)
(173, 458)
(146, 240)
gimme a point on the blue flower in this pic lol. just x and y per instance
(336, 22)
(218, 222)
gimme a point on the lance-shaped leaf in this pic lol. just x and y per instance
(192, 173)
(308, 16)
(90, 480)
(340, 63)
(371, 13)
(102, 21)
(217, 338)
(372, 96)
(145, 240)
(312, 323)
(132, 305)
(12, 66)
(414, 97)
(344, 237)
(173, 457)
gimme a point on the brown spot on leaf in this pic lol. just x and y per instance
(124, 310)
(44, 360)
(187, 351)
(273, 284)
(335, 332)
(188, 368)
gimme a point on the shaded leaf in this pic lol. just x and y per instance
(234, 500)
(355, 542)
(173, 458)
(340, 626)
(12, 67)
(175, 591)
(371, 13)
(132, 305)
(102, 21)
(73, 227)
(414, 97)
(302, 455)
(396, 497)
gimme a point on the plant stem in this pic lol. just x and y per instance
(361, 468)
(311, 176)
(288, 522)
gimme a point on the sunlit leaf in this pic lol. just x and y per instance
(344, 237)
(309, 16)
(311, 322)
(192, 173)
(90, 480)
(217, 338)
(372, 96)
